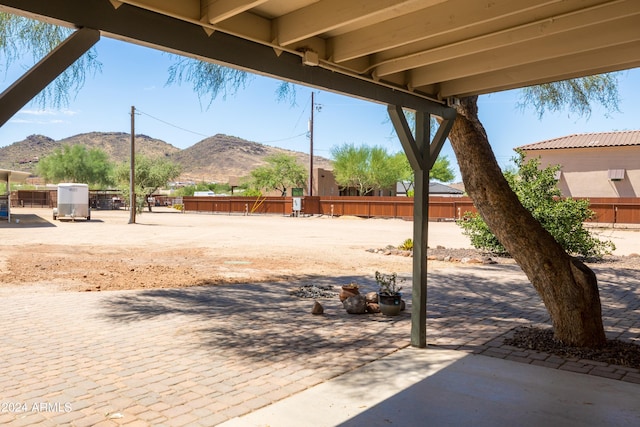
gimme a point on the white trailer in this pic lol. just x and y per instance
(73, 202)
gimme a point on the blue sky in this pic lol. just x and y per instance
(134, 75)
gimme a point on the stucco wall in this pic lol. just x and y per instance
(585, 170)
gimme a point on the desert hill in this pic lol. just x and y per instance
(221, 156)
(213, 159)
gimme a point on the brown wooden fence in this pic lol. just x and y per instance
(440, 208)
(607, 210)
(618, 210)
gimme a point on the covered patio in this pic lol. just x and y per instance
(407, 54)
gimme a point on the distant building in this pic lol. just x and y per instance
(593, 164)
(435, 189)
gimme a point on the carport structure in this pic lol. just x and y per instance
(7, 177)
(418, 55)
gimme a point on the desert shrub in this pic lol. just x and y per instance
(407, 245)
(563, 217)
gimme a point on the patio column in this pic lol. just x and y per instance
(422, 154)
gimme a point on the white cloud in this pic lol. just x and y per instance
(48, 112)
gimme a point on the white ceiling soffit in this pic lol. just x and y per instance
(432, 48)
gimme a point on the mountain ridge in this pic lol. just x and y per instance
(213, 159)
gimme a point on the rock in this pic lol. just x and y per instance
(372, 297)
(356, 304)
(471, 261)
(317, 308)
(348, 292)
(373, 307)
(488, 260)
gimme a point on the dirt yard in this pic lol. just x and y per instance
(166, 249)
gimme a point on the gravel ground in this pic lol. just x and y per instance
(614, 352)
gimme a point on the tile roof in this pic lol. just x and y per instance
(588, 140)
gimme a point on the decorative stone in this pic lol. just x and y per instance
(372, 297)
(348, 291)
(356, 304)
(317, 308)
(373, 307)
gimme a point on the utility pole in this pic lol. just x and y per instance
(132, 171)
(310, 192)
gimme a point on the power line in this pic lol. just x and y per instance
(171, 124)
(207, 136)
(283, 139)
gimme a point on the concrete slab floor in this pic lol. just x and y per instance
(435, 387)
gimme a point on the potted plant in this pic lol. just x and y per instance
(389, 296)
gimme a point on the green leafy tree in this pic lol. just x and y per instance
(19, 35)
(74, 163)
(281, 172)
(562, 217)
(151, 174)
(350, 167)
(365, 168)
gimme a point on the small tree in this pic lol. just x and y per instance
(368, 168)
(151, 174)
(76, 164)
(537, 191)
(280, 172)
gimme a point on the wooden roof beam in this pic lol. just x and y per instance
(438, 50)
(622, 57)
(471, 18)
(612, 33)
(329, 15)
(214, 11)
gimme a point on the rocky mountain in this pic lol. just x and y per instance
(221, 156)
(213, 159)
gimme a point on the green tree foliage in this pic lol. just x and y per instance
(74, 163)
(207, 79)
(576, 95)
(151, 175)
(370, 168)
(537, 191)
(281, 172)
(365, 168)
(19, 36)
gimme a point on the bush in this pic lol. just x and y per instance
(563, 217)
(407, 245)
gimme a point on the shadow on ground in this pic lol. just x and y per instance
(26, 221)
(466, 307)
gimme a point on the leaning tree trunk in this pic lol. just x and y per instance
(568, 288)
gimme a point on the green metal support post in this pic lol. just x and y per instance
(421, 154)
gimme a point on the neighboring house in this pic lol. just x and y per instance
(593, 164)
(435, 189)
